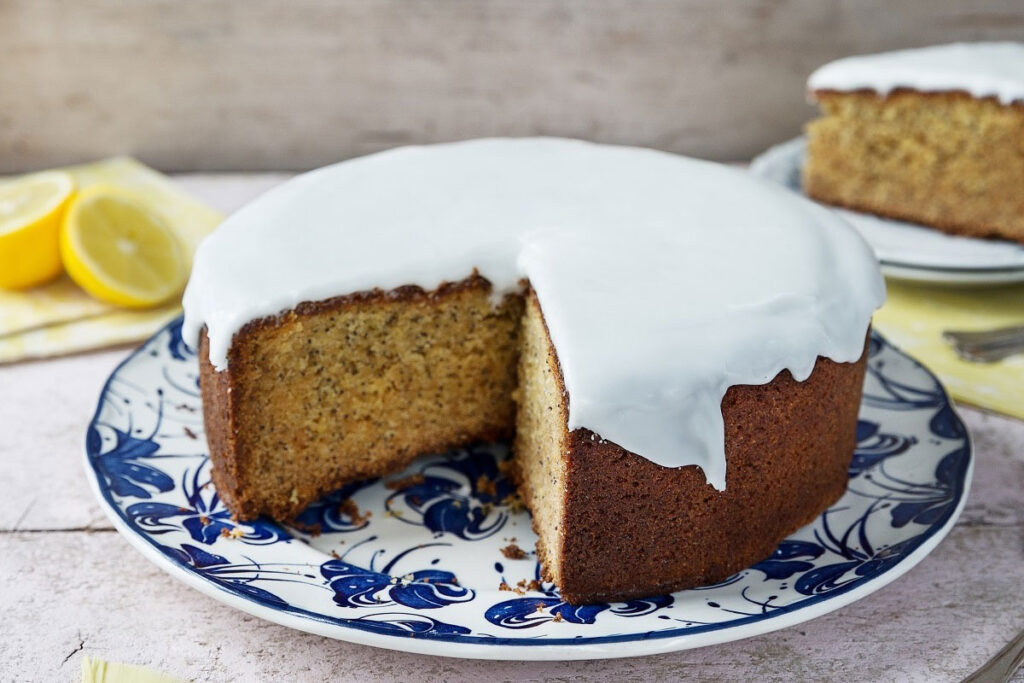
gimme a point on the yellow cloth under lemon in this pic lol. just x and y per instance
(914, 317)
(98, 671)
(59, 318)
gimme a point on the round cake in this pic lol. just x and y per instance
(676, 347)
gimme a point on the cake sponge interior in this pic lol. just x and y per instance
(946, 160)
(357, 387)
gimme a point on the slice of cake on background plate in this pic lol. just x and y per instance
(677, 347)
(932, 135)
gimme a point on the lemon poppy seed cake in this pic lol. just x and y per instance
(932, 135)
(677, 348)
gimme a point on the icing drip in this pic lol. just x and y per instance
(663, 280)
(980, 69)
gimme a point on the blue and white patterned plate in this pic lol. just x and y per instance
(417, 565)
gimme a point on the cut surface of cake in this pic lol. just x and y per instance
(932, 135)
(677, 348)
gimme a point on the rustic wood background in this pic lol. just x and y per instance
(265, 84)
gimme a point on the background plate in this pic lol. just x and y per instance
(908, 251)
(414, 562)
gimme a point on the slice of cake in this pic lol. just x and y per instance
(676, 346)
(932, 135)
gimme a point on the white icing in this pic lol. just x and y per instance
(664, 280)
(980, 69)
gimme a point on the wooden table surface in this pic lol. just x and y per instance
(71, 586)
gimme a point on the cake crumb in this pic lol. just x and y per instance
(507, 468)
(513, 502)
(348, 508)
(233, 533)
(393, 513)
(558, 617)
(522, 587)
(513, 552)
(204, 520)
(485, 484)
(335, 555)
(405, 482)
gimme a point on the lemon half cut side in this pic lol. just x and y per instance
(121, 251)
(31, 208)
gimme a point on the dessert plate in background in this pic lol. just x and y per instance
(424, 561)
(905, 250)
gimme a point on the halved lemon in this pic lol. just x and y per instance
(30, 213)
(120, 250)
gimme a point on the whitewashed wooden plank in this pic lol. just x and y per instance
(261, 84)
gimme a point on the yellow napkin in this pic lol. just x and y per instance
(99, 671)
(914, 317)
(59, 318)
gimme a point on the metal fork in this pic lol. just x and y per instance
(1001, 667)
(988, 346)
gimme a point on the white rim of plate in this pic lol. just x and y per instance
(607, 648)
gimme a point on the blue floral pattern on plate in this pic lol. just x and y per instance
(414, 561)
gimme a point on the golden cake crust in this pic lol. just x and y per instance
(788, 448)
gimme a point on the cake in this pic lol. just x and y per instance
(676, 347)
(933, 135)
